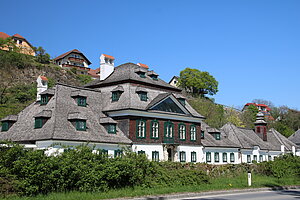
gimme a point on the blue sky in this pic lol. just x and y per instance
(251, 47)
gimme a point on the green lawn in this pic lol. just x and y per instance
(223, 183)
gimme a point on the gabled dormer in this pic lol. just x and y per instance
(214, 132)
(141, 72)
(8, 121)
(109, 124)
(79, 97)
(116, 93)
(153, 75)
(46, 96)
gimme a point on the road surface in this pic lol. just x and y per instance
(292, 194)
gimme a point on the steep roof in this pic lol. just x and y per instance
(4, 35)
(18, 36)
(295, 138)
(60, 111)
(277, 140)
(210, 141)
(72, 51)
(128, 73)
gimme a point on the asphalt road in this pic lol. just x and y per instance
(259, 195)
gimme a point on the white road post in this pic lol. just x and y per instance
(249, 178)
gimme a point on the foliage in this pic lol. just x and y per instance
(249, 116)
(41, 56)
(214, 113)
(234, 117)
(84, 79)
(197, 82)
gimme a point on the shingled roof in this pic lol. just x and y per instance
(127, 73)
(295, 138)
(60, 111)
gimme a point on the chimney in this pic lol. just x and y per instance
(106, 66)
(42, 85)
(261, 126)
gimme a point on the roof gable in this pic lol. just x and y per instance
(72, 51)
(4, 35)
(169, 104)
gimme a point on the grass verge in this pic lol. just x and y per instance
(220, 183)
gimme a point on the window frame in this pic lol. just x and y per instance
(193, 156)
(224, 157)
(168, 125)
(115, 95)
(142, 74)
(38, 122)
(232, 157)
(193, 139)
(44, 99)
(208, 155)
(217, 136)
(78, 127)
(143, 96)
(143, 133)
(217, 155)
(182, 156)
(248, 158)
(4, 126)
(255, 158)
(261, 159)
(80, 103)
(155, 156)
(182, 132)
(153, 128)
(202, 134)
(141, 152)
(108, 128)
(118, 153)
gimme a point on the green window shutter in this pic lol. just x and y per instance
(231, 157)
(81, 101)
(115, 96)
(155, 156)
(5, 126)
(224, 157)
(143, 96)
(38, 123)
(217, 136)
(217, 157)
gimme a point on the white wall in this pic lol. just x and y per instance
(219, 150)
(149, 148)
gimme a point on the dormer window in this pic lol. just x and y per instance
(143, 96)
(116, 93)
(44, 99)
(202, 134)
(111, 128)
(109, 124)
(41, 118)
(142, 74)
(80, 125)
(217, 136)
(154, 77)
(8, 121)
(81, 101)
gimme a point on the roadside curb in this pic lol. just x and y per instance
(195, 194)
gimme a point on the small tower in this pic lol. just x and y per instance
(42, 85)
(106, 66)
(261, 126)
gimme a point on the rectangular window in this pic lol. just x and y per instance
(269, 158)
(118, 153)
(169, 132)
(231, 157)
(217, 157)
(44, 99)
(111, 128)
(140, 128)
(208, 157)
(217, 136)
(255, 158)
(154, 129)
(143, 96)
(81, 125)
(182, 156)
(5, 126)
(115, 96)
(81, 101)
(193, 156)
(142, 74)
(224, 157)
(104, 152)
(155, 156)
(154, 77)
(38, 123)
(248, 158)
(260, 158)
(141, 152)
(193, 132)
(181, 131)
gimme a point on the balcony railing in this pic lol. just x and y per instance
(76, 59)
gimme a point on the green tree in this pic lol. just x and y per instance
(249, 116)
(197, 83)
(234, 117)
(41, 55)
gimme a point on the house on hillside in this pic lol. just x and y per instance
(129, 106)
(73, 59)
(21, 42)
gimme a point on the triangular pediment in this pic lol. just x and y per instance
(169, 104)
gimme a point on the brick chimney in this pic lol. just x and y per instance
(106, 66)
(42, 85)
(261, 126)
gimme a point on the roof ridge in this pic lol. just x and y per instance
(55, 111)
(230, 124)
